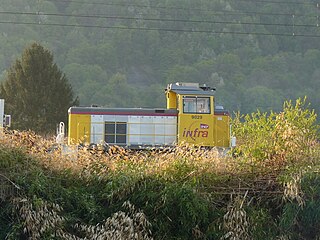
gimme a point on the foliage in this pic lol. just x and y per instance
(284, 136)
(36, 93)
(185, 192)
(303, 222)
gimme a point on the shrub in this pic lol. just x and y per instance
(283, 136)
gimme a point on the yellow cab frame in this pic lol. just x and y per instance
(199, 122)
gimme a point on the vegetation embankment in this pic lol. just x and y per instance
(270, 190)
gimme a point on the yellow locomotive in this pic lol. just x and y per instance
(190, 117)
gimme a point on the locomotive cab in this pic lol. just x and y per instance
(199, 122)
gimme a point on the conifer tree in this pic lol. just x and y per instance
(37, 94)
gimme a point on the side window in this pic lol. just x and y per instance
(196, 105)
(203, 105)
(189, 105)
(115, 132)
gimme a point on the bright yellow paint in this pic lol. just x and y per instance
(203, 129)
(79, 128)
(171, 100)
(222, 131)
(196, 129)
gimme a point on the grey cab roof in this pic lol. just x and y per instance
(190, 89)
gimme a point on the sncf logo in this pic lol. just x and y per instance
(198, 132)
(204, 126)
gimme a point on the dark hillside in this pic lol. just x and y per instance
(257, 53)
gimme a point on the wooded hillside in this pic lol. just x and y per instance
(123, 53)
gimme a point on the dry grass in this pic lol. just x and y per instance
(181, 163)
(86, 161)
(236, 221)
(39, 217)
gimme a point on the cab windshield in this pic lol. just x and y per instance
(196, 105)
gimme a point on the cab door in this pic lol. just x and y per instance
(222, 130)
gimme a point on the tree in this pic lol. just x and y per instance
(37, 94)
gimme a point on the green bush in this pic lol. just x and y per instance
(304, 221)
(287, 135)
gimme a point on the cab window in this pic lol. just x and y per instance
(196, 104)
